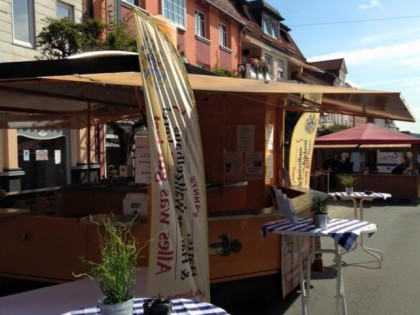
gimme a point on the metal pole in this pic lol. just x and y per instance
(328, 181)
(88, 144)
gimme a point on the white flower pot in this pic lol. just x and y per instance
(321, 220)
(252, 74)
(349, 190)
(123, 308)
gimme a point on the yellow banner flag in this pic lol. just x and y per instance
(178, 260)
(301, 149)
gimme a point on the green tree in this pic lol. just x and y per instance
(121, 38)
(63, 38)
(332, 129)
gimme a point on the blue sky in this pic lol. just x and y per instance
(379, 39)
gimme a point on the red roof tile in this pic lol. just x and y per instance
(227, 7)
(332, 64)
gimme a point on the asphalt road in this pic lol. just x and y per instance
(392, 289)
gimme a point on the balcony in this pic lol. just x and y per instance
(251, 73)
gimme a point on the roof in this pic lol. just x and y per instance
(367, 134)
(84, 92)
(264, 5)
(254, 30)
(228, 8)
(331, 64)
(331, 69)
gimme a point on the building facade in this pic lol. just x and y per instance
(31, 158)
(245, 39)
(22, 20)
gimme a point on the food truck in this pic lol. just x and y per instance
(242, 130)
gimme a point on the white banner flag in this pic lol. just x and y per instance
(178, 262)
(112, 14)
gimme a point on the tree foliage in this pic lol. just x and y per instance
(332, 129)
(63, 38)
(121, 38)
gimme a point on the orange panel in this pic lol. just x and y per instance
(78, 202)
(256, 256)
(109, 202)
(7, 244)
(49, 247)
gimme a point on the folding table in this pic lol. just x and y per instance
(344, 233)
(358, 198)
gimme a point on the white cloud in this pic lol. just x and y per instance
(415, 60)
(396, 82)
(413, 31)
(375, 38)
(394, 67)
(372, 4)
(403, 54)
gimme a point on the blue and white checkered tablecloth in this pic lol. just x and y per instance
(179, 306)
(361, 194)
(344, 232)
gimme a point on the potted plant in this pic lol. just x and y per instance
(259, 65)
(116, 270)
(347, 181)
(320, 208)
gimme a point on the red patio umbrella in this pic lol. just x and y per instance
(367, 134)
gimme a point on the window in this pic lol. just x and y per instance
(274, 31)
(223, 36)
(200, 24)
(266, 24)
(23, 22)
(174, 10)
(269, 62)
(270, 26)
(65, 10)
(280, 69)
(134, 2)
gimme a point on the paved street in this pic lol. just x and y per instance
(392, 289)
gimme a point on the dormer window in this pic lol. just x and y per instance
(274, 29)
(270, 26)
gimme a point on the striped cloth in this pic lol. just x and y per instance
(179, 306)
(344, 232)
(362, 194)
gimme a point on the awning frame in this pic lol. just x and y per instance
(50, 92)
